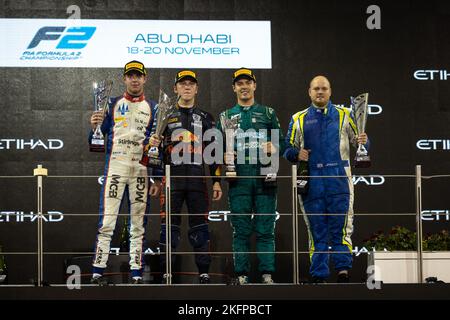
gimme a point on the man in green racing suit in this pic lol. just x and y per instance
(253, 200)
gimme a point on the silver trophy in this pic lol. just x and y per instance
(271, 177)
(302, 165)
(360, 109)
(102, 92)
(229, 127)
(166, 107)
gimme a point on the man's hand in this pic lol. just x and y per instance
(303, 155)
(362, 138)
(96, 119)
(155, 141)
(269, 148)
(217, 191)
(155, 189)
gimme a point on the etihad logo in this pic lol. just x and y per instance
(222, 215)
(22, 216)
(20, 144)
(148, 251)
(433, 144)
(435, 215)
(431, 74)
(374, 109)
(372, 180)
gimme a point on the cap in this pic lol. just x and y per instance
(243, 73)
(134, 66)
(186, 74)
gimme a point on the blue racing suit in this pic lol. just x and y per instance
(328, 204)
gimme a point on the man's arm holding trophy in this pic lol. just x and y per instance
(153, 145)
(359, 106)
(156, 187)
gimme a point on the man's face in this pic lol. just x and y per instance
(134, 82)
(186, 89)
(244, 89)
(320, 92)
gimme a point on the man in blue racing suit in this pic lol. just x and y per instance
(321, 135)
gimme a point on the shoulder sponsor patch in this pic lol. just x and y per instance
(174, 125)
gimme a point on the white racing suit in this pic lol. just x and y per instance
(127, 126)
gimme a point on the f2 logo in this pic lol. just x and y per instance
(76, 39)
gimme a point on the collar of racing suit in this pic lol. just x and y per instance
(246, 108)
(131, 98)
(186, 110)
(323, 110)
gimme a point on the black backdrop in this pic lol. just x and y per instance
(308, 38)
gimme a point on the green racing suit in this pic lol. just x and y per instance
(253, 197)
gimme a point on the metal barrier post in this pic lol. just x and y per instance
(168, 229)
(419, 223)
(40, 172)
(295, 226)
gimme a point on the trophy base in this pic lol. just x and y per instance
(96, 148)
(362, 161)
(97, 144)
(154, 163)
(270, 180)
(302, 186)
(231, 175)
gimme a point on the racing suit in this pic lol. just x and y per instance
(182, 148)
(251, 195)
(127, 126)
(327, 133)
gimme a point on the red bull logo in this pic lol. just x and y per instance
(187, 137)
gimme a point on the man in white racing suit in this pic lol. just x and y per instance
(126, 124)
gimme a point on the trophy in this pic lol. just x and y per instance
(229, 127)
(302, 178)
(102, 91)
(271, 173)
(302, 166)
(360, 109)
(150, 156)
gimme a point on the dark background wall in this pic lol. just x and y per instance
(308, 38)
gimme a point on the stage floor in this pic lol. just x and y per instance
(277, 292)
